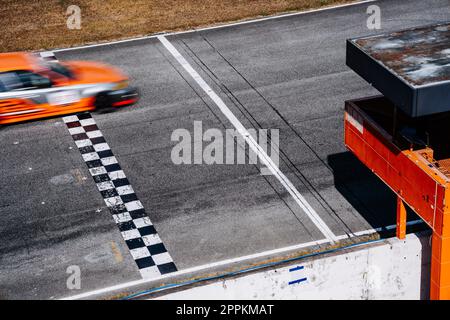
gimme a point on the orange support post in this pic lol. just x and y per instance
(440, 260)
(401, 218)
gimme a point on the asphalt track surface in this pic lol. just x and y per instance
(286, 73)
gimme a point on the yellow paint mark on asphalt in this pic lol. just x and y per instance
(78, 175)
(116, 252)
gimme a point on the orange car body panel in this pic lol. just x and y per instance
(94, 72)
(16, 61)
(33, 112)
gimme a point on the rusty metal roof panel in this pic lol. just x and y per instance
(410, 67)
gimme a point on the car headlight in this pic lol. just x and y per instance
(121, 85)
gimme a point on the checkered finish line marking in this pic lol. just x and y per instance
(140, 235)
(137, 230)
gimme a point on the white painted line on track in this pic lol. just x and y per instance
(259, 151)
(370, 231)
(130, 284)
(225, 25)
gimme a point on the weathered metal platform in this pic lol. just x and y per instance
(410, 67)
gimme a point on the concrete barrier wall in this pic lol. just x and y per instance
(390, 269)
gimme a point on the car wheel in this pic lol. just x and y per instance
(102, 101)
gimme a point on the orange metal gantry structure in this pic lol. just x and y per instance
(418, 179)
(403, 136)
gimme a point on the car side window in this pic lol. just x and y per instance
(9, 81)
(32, 80)
(22, 80)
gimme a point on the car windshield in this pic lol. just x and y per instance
(59, 69)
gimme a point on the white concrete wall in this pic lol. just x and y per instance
(392, 269)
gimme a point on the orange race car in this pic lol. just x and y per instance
(32, 88)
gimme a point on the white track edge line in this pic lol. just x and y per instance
(370, 231)
(226, 25)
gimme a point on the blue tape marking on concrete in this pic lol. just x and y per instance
(296, 268)
(297, 281)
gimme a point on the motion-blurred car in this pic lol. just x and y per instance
(32, 88)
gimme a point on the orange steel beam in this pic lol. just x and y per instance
(440, 261)
(401, 218)
(410, 174)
